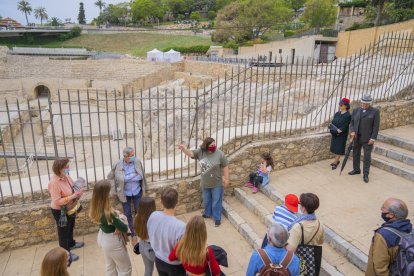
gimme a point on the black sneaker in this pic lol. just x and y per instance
(205, 216)
(77, 245)
(217, 223)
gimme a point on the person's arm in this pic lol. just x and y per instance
(253, 267)
(119, 224)
(186, 151)
(214, 266)
(57, 199)
(173, 257)
(295, 237)
(226, 176)
(380, 256)
(375, 128)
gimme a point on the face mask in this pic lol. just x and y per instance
(67, 171)
(212, 148)
(383, 216)
(300, 211)
(132, 159)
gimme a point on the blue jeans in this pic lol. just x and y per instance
(213, 202)
(128, 212)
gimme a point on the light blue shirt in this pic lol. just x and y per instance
(276, 255)
(132, 185)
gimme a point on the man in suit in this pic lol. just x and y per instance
(364, 128)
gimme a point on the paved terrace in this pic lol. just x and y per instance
(27, 261)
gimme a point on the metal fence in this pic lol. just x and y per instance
(252, 103)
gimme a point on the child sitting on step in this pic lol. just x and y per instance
(261, 176)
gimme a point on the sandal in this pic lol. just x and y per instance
(335, 165)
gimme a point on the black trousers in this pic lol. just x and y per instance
(165, 269)
(358, 145)
(255, 179)
(65, 234)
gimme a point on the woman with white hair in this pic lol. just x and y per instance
(275, 251)
(130, 184)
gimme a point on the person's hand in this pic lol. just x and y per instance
(352, 135)
(181, 147)
(117, 232)
(339, 131)
(371, 142)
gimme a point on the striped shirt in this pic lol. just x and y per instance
(283, 215)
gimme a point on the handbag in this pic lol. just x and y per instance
(74, 206)
(221, 261)
(310, 256)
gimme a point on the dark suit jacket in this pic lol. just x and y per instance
(369, 121)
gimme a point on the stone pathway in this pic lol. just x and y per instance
(348, 206)
(27, 261)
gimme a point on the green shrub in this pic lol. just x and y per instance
(232, 45)
(248, 43)
(211, 15)
(74, 32)
(357, 26)
(354, 3)
(195, 15)
(289, 33)
(196, 49)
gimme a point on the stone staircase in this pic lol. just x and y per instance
(394, 152)
(251, 214)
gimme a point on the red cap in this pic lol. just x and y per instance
(292, 202)
(345, 101)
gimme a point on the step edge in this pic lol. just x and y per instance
(395, 141)
(339, 244)
(246, 229)
(402, 157)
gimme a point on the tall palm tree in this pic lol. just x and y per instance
(25, 7)
(100, 4)
(40, 12)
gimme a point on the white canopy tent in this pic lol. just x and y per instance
(172, 56)
(155, 55)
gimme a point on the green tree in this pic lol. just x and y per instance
(319, 13)
(176, 6)
(295, 4)
(54, 21)
(41, 13)
(145, 9)
(81, 15)
(211, 15)
(25, 8)
(249, 19)
(195, 15)
(379, 8)
(100, 4)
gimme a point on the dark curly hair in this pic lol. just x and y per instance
(268, 158)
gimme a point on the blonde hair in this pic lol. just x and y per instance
(55, 263)
(192, 247)
(100, 202)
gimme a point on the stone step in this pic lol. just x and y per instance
(251, 219)
(393, 166)
(350, 258)
(394, 152)
(398, 141)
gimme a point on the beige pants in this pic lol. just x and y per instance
(117, 262)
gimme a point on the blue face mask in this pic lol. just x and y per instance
(132, 159)
(67, 171)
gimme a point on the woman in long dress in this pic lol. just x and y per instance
(339, 129)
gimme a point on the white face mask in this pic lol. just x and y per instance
(300, 212)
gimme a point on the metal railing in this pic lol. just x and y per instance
(252, 103)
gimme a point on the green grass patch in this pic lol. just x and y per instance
(137, 44)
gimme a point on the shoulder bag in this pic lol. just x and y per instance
(310, 255)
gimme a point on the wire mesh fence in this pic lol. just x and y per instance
(254, 102)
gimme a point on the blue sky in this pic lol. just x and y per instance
(55, 8)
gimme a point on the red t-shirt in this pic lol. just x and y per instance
(214, 266)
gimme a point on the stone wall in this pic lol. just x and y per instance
(398, 113)
(216, 70)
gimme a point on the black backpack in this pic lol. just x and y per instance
(404, 262)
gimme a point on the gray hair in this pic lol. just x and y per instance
(398, 208)
(127, 151)
(277, 235)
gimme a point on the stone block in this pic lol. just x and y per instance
(6, 227)
(358, 258)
